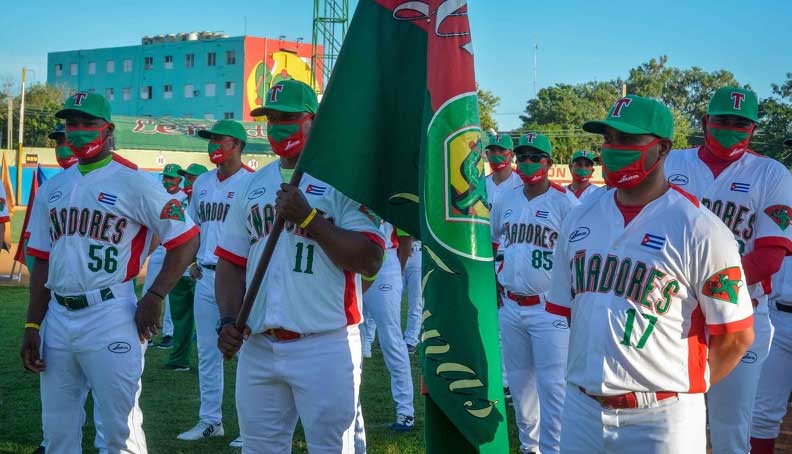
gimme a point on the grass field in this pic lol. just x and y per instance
(170, 400)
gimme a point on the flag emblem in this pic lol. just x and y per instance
(653, 241)
(315, 190)
(107, 199)
(542, 214)
(740, 187)
(724, 285)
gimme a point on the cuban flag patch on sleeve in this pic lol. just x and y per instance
(653, 241)
(740, 187)
(107, 199)
(542, 214)
(315, 190)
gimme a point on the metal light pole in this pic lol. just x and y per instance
(19, 145)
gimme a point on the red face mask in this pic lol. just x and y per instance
(498, 162)
(287, 137)
(532, 172)
(86, 142)
(623, 166)
(219, 151)
(582, 174)
(727, 143)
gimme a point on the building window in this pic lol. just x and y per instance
(230, 57)
(126, 93)
(92, 68)
(148, 63)
(169, 62)
(109, 94)
(73, 69)
(58, 69)
(229, 88)
(211, 59)
(189, 91)
(110, 66)
(228, 115)
(209, 116)
(145, 92)
(127, 65)
(209, 91)
(167, 91)
(189, 60)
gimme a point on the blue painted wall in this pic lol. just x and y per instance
(158, 76)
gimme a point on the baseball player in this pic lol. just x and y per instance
(527, 219)
(90, 229)
(500, 157)
(412, 286)
(190, 174)
(752, 195)
(213, 194)
(302, 354)
(170, 181)
(653, 284)
(582, 168)
(382, 303)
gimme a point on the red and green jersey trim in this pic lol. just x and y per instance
(731, 327)
(183, 238)
(376, 239)
(774, 241)
(43, 255)
(230, 257)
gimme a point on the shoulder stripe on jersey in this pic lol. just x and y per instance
(376, 239)
(350, 299)
(183, 238)
(124, 162)
(138, 242)
(556, 309)
(697, 352)
(230, 257)
(558, 187)
(37, 253)
(774, 241)
(686, 195)
(248, 168)
(733, 327)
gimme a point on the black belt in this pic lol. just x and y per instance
(784, 307)
(209, 267)
(77, 302)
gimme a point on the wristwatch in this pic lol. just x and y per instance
(223, 322)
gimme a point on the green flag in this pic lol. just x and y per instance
(398, 130)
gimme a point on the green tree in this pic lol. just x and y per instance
(41, 103)
(775, 123)
(488, 103)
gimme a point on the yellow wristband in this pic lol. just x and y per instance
(308, 219)
(35, 326)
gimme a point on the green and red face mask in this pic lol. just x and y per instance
(498, 162)
(86, 142)
(625, 166)
(220, 150)
(532, 172)
(582, 174)
(727, 143)
(287, 137)
(65, 156)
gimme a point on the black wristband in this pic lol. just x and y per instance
(156, 294)
(223, 322)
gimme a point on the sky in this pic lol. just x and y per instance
(578, 40)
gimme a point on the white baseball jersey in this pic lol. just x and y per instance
(529, 229)
(752, 196)
(582, 195)
(643, 297)
(303, 290)
(209, 207)
(494, 190)
(96, 229)
(158, 256)
(390, 234)
(4, 216)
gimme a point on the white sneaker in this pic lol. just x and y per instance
(236, 442)
(202, 430)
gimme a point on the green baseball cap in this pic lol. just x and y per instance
(172, 170)
(86, 103)
(228, 128)
(500, 140)
(537, 141)
(584, 154)
(734, 101)
(290, 96)
(59, 131)
(193, 169)
(636, 115)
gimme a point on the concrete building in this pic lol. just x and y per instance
(202, 75)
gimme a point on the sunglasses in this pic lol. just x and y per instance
(532, 157)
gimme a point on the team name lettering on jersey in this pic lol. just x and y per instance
(637, 282)
(213, 211)
(536, 234)
(738, 218)
(261, 219)
(94, 224)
